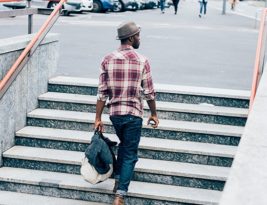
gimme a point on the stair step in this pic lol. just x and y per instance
(146, 170)
(151, 148)
(143, 165)
(168, 129)
(186, 94)
(166, 110)
(215, 129)
(139, 192)
(164, 106)
(145, 143)
(15, 198)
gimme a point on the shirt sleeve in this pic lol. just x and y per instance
(147, 83)
(102, 93)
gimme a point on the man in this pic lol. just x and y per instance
(175, 4)
(162, 6)
(203, 7)
(125, 80)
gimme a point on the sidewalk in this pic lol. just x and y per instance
(249, 9)
(216, 51)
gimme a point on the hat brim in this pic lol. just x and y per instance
(129, 35)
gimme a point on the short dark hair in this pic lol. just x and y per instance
(123, 41)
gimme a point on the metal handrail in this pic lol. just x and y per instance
(259, 60)
(29, 50)
(3, 1)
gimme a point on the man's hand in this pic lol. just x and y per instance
(99, 109)
(154, 119)
(99, 126)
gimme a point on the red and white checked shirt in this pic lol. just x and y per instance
(125, 79)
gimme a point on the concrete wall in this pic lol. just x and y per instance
(21, 97)
(247, 183)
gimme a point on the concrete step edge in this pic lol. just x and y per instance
(150, 143)
(190, 90)
(15, 198)
(136, 189)
(161, 167)
(173, 125)
(161, 106)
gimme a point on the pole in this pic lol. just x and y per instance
(224, 7)
(29, 18)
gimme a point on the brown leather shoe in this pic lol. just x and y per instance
(118, 200)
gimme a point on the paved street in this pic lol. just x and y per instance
(215, 51)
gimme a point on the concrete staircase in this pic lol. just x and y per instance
(186, 160)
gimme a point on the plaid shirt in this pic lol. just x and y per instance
(125, 80)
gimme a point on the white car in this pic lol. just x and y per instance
(123, 5)
(87, 5)
(70, 6)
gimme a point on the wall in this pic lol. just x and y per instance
(21, 97)
(247, 183)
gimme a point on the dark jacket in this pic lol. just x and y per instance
(100, 154)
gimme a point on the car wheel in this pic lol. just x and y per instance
(118, 6)
(66, 13)
(135, 7)
(52, 4)
(97, 6)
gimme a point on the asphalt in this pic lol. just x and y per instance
(216, 51)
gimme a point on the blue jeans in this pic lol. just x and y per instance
(203, 5)
(162, 5)
(128, 129)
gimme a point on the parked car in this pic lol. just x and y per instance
(151, 4)
(14, 5)
(70, 6)
(141, 4)
(102, 5)
(87, 5)
(123, 5)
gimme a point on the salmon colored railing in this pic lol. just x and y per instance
(3, 1)
(259, 60)
(29, 50)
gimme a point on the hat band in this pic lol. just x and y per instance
(128, 35)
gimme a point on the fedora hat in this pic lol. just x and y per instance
(127, 29)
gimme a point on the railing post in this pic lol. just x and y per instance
(224, 7)
(29, 18)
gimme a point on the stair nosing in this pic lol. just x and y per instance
(182, 126)
(8, 197)
(169, 88)
(169, 107)
(52, 156)
(176, 146)
(149, 190)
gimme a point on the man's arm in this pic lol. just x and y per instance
(149, 94)
(99, 109)
(102, 96)
(153, 117)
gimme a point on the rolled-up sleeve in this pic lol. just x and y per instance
(102, 93)
(147, 83)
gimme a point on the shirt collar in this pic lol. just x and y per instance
(125, 47)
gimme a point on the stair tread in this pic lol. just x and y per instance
(213, 92)
(164, 106)
(15, 198)
(143, 165)
(136, 189)
(174, 125)
(145, 143)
